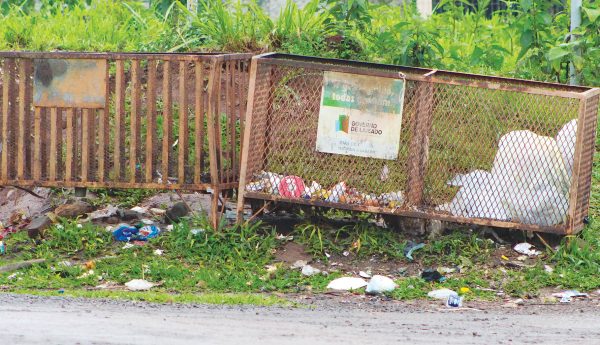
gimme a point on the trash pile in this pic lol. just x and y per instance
(294, 187)
(529, 181)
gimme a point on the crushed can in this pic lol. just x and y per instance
(454, 301)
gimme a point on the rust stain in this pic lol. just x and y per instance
(70, 83)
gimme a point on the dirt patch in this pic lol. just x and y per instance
(292, 252)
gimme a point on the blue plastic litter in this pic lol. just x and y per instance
(410, 248)
(125, 233)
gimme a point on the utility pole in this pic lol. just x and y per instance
(425, 8)
(575, 23)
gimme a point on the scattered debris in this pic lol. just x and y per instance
(347, 283)
(127, 233)
(454, 301)
(128, 245)
(298, 264)
(2, 248)
(104, 214)
(380, 284)
(158, 252)
(139, 209)
(147, 221)
(158, 211)
(129, 215)
(139, 285)
(86, 274)
(364, 274)
(282, 237)
(271, 268)
(567, 296)
(442, 294)
(176, 212)
(412, 247)
(308, 270)
(15, 276)
(197, 231)
(526, 249)
(431, 275)
(124, 233)
(464, 290)
(446, 270)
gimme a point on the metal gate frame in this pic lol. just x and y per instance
(67, 145)
(260, 97)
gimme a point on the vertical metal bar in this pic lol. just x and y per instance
(183, 121)
(575, 180)
(219, 86)
(69, 142)
(246, 143)
(150, 120)
(22, 139)
(135, 119)
(53, 158)
(28, 120)
(37, 144)
(419, 144)
(231, 115)
(6, 99)
(59, 144)
(85, 144)
(213, 100)
(167, 118)
(199, 123)
(243, 99)
(119, 119)
(102, 137)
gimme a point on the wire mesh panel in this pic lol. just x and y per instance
(166, 121)
(473, 149)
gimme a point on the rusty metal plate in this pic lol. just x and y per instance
(70, 83)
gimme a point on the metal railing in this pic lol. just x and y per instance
(122, 120)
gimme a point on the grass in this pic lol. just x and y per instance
(168, 298)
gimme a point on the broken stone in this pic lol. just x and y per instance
(74, 210)
(176, 213)
(37, 226)
(129, 215)
(104, 213)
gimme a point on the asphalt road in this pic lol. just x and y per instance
(38, 320)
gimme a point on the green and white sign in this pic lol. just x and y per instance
(360, 115)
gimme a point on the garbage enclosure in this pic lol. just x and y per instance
(122, 120)
(418, 142)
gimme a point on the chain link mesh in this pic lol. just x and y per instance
(497, 155)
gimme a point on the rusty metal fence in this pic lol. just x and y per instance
(473, 149)
(121, 120)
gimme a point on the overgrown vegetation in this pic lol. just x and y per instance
(529, 38)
